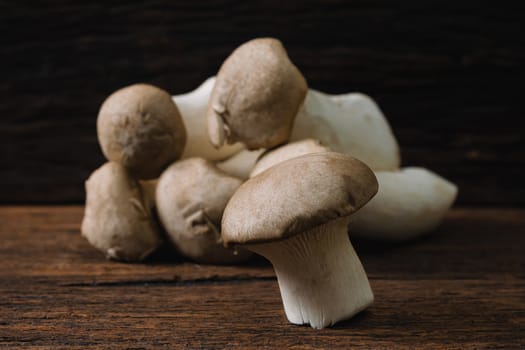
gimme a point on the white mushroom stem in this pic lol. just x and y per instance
(192, 107)
(241, 164)
(350, 123)
(409, 203)
(320, 276)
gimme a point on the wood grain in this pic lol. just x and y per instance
(463, 287)
(447, 74)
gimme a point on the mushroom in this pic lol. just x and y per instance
(296, 215)
(193, 106)
(350, 123)
(410, 202)
(246, 164)
(241, 164)
(191, 196)
(117, 219)
(256, 96)
(140, 127)
(288, 151)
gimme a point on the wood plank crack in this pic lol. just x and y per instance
(174, 282)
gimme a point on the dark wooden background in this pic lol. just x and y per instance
(446, 73)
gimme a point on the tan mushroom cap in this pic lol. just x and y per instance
(285, 152)
(256, 96)
(117, 218)
(295, 196)
(140, 127)
(191, 196)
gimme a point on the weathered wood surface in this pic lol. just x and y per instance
(460, 288)
(446, 73)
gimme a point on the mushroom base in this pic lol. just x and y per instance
(321, 278)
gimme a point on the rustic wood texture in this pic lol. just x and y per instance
(446, 73)
(463, 287)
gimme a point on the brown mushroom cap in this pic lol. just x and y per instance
(191, 196)
(297, 195)
(117, 218)
(256, 96)
(140, 127)
(285, 152)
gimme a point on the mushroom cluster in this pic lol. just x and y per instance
(253, 161)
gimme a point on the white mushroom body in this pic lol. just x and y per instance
(192, 107)
(409, 203)
(349, 123)
(321, 278)
(240, 164)
(296, 215)
(117, 219)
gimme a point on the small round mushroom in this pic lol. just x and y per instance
(288, 151)
(193, 107)
(256, 96)
(296, 215)
(140, 127)
(117, 218)
(191, 196)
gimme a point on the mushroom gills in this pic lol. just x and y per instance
(321, 278)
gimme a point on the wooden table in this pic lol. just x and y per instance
(462, 287)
